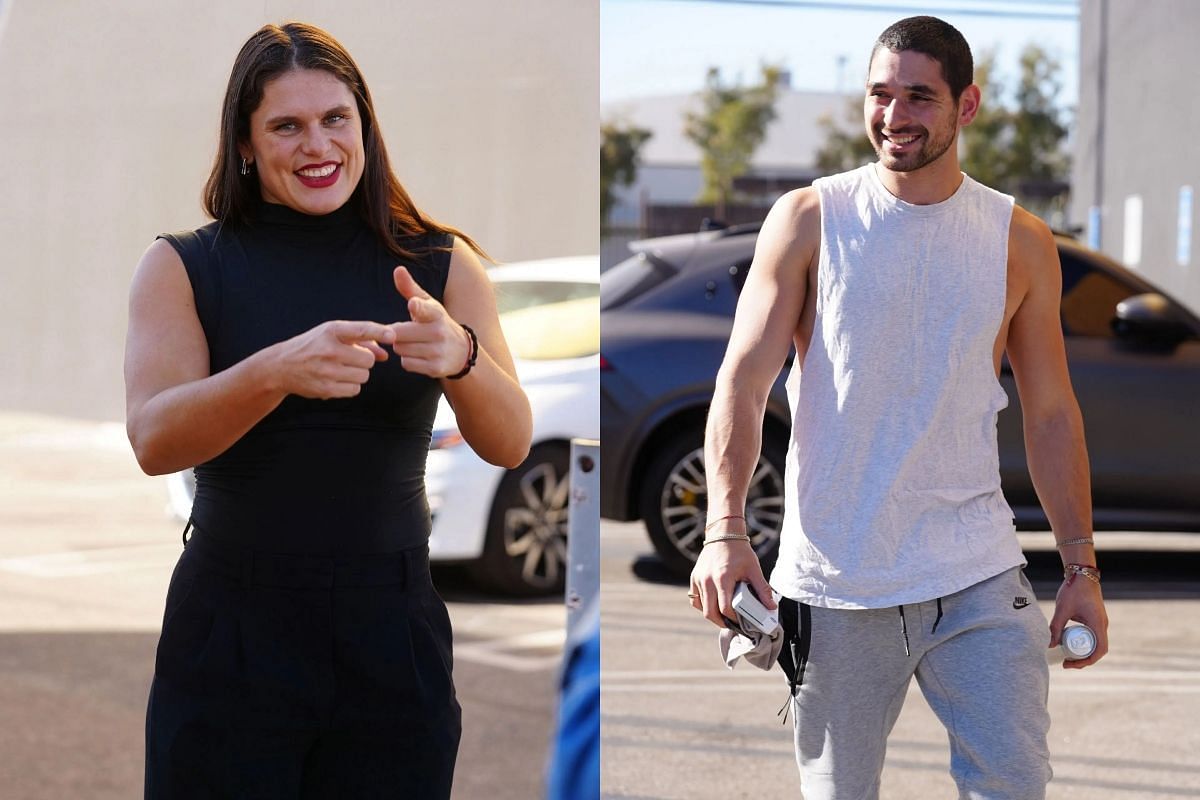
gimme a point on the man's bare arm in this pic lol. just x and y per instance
(1054, 441)
(768, 315)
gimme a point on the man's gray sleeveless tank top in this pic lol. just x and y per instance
(893, 482)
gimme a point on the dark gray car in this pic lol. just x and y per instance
(666, 315)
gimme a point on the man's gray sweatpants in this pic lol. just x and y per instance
(981, 666)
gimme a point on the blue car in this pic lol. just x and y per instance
(666, 314)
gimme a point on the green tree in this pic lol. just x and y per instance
(846, 146)
(985, 141)
(1039, 168)
(729, 128)
(1018, 147)
(620, 147)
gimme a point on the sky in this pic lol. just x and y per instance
(656, 47)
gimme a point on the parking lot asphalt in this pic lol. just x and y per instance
(677, 725)
(86, 550)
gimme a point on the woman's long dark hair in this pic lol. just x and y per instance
(379, 198)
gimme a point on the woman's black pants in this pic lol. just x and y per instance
(281, 676)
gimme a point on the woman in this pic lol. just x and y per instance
(293, 351)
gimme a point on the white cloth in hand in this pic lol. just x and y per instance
(756, 647)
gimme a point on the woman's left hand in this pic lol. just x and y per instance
(432, 343)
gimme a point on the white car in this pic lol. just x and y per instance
(510, 526)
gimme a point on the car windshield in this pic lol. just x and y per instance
(633, 276)
(515, 295)
(549, 319)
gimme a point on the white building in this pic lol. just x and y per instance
(490, 117)
(1136, 175)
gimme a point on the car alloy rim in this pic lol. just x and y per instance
(683, 505)
(535, 533)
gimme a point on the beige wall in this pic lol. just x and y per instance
(489, 109)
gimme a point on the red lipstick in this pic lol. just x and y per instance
(322, 182)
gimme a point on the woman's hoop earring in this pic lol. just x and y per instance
(245, 168)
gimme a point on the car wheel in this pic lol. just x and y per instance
(674, 502)
(525, 551)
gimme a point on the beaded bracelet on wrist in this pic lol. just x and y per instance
(472, 354)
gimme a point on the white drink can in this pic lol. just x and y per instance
(1078, 642)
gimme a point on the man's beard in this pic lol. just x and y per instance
(931, 149)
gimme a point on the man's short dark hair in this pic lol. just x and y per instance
(937, 39)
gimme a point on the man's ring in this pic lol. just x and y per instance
(692, 596)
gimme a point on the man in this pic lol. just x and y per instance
(901, 284)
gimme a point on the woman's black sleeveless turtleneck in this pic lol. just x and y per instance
(342, 476)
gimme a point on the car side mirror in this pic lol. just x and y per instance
(1149, 321)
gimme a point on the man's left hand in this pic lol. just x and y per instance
(1080, 600)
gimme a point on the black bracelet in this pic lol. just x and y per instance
(471, 356)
